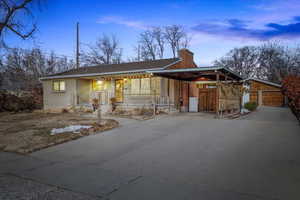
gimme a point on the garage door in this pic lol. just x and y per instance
(272, 98)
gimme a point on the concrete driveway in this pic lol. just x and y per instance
(184, 156)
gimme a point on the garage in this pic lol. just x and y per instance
(265, 93)
(272, 98)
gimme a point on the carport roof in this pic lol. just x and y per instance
(194, 73)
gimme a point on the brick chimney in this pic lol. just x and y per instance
(187, 58)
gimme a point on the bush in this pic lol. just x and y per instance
(291, 89)
(113, 102)
(12, 102)
(250, 106)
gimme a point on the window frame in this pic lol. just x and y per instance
(140, 87)
(59, 82)
(94, 83)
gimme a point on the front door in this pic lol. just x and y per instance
(207, 100)
(119, 90)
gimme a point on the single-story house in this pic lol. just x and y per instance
(175, 84)
(264, 93)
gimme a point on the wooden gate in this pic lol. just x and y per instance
(207, 100)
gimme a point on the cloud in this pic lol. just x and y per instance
(265, 11)
(276, 5)
(122, 21)
(239, 29)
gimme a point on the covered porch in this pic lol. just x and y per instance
(128, 91)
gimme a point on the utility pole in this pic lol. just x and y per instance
(77, 45)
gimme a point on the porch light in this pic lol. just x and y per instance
(99, 82)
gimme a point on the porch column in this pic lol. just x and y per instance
(218, 94)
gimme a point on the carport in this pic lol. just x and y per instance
(201, 88)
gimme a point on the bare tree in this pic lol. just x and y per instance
(159, 37)
(270, 61)
(243, 60)
(15, 17)
(105, 51)
(148, 45)
(276, 61)
(185, 41)
(21, 69)
(176, 38)
(117, 57)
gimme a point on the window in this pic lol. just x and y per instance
(59, 86)
(140, 86)
(145, 86)
(98, 85)
(135, 86)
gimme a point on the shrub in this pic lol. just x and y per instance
(95, 104)
(113, 102)
(291, 89)
(64, 110)
(250, 106)
(13, 102)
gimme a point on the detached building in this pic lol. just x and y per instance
(176, 84)
(264, 93)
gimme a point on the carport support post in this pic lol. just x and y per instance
(217, 95)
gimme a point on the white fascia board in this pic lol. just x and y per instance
(98, 74)
(173, 63)
(263, 81)
(187, 70)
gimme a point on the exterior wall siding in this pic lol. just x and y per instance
(58, 100)
(84, 89)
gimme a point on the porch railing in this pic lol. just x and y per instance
(103, 96)
(133, 100)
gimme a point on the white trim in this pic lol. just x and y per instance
(263, 81)
(185, 70)
(196, 69)
(108, 73)
(97, 74)
(173, 63)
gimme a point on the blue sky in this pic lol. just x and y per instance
(215, 26)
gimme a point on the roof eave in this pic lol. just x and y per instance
(96, 74)
(173, 63)
(263, 81)
(109, 73)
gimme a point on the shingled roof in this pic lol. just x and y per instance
(122, 67)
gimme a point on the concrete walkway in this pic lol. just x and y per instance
(175, 157)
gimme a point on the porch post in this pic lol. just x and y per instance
(218, 95)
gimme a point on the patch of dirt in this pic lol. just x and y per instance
(27, 132)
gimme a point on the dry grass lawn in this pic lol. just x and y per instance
(27, 132)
